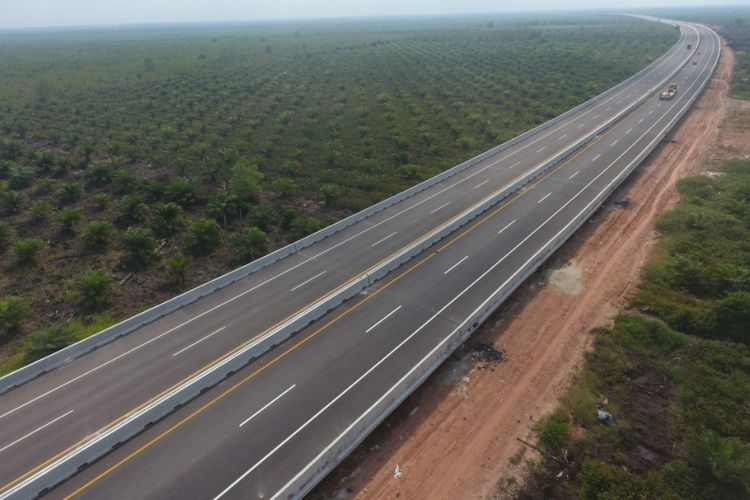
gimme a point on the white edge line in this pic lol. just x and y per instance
(438, 346)
(35, 431)
(198, 341)
(267, 405)
(21, 485)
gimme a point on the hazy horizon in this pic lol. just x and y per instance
(29, 14)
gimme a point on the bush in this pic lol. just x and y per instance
(723, 465)
(554, 431)
(302, 226)
(602, 481)
(27, 251)
(177, 268)
(246, 179)
(182, 191)
(732, 317)
(97, 234)
(48, 341)
(13, 310)
(69, 193)
(139, 246)
(263, 216)
(97, 175)
(203, 236)
(132, 209)
(93, 290)
(250, 244)
(69, 218)
(39, 211)
(169, 219)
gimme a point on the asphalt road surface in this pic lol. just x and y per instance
(251, 435)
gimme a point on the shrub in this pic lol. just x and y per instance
(250, 244)
(302, 226)
(27, 251)
(39, 211)
(12, 200)
(101, 200)
(48, 341)
(139, 246)
(132, 208)
(97, 234)
(246, 179)
(69, 193)
(93, 290)
(169, 219)
(124, 181)
(177, 268)
(69, 218)
(182, 191)
(331, 194)
(97, 175)
(554, 431)
(263, 216)
(723, 463)
(223, 206)
(604, 481)
(13, 310)
(20, 177)
(203, 236)
(732, 315)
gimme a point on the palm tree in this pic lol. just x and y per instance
(169, 218)
(223, 205)
(251, 243)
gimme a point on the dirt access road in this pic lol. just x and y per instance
(456, 436)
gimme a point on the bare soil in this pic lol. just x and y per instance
(457, 436)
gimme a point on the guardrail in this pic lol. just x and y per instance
(127, 326)
(356, 433)
(115, 434)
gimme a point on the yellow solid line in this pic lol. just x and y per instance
(321, 329)
(246, 379)
(217, 360)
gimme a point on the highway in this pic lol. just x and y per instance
(264, 429)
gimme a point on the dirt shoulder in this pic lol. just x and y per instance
(457, 435)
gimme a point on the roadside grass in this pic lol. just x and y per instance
(52, 339)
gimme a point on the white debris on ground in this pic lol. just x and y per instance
(567, 279)
(397, 473)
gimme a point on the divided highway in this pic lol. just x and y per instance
(276, 426)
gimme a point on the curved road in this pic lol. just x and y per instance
(268, 430)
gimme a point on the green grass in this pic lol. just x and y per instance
(121, 150)
(675, 371)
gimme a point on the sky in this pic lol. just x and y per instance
(43, 13)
